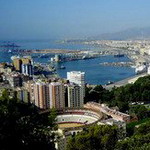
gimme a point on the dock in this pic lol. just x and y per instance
(56, 51)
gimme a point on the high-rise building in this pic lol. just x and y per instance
(17, 64)
(57, 96)
(49, 95)
(23, 95)
(41, 95)
(75, 96)
(29, 86)
(26, 60)
(14, 79)
(77, 77)
(27, 69)
(18, 61)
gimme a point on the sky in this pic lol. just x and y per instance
(55, 19)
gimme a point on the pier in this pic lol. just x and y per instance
(56, 51)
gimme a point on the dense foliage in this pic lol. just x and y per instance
(139, 141)
(22, 127)
(104, 137)
(122, 96)
(128, 99)
(94, 138)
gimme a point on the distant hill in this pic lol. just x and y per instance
(133, 33)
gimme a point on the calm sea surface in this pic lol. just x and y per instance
(95, 73)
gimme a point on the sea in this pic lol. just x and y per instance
(94, 72)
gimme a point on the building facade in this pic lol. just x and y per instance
(77, 77)
(40, 95)
(22, 64)
(27, 69)
(75, 96)
(57, 95)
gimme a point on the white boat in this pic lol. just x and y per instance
(140, 69)
(9, 51)
(133, 66)
(62, 67)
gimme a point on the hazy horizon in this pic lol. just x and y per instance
(57, 19)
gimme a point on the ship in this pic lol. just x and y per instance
(9, 51)
(44, 56)
(140, 69)
(62, 67)
(109, 82)
(119, 55)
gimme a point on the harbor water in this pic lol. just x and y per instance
(95, 73)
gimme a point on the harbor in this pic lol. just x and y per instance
(118, 64)
(124, 82)
(104, 65)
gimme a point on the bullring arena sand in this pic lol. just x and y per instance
(69, 125)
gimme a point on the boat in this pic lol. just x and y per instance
(85, 57)
(119, 55)
(44, 56)
(109, 82)
(62, 67)
(9, 51)
(140, 69)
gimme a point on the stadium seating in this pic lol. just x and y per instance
(83, 117)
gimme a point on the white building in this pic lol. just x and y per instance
(77, 77)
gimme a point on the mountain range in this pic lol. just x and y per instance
(129, 34)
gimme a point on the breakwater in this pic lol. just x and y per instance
(118, 64)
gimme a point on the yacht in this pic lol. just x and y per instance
(140, 69)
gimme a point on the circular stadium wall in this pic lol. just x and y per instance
(77, 118)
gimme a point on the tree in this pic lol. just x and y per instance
(143, 129)
(5, 94)
(94, 138)
(22, 127)
(52, 117)
(140, 111)
(139, 141)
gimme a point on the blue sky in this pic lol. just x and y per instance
(45, 19)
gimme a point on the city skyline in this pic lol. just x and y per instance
(69, 19)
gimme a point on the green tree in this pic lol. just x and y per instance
(22, 127)
(140, 111)
(94, 138)
(5, 94)
(143, 129)
(140, 140)
(52, 117)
